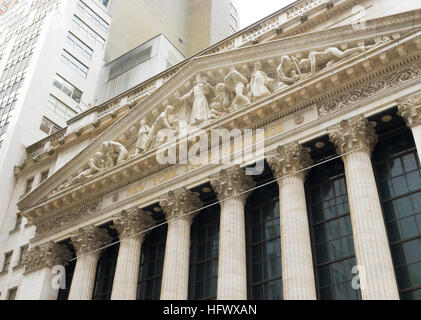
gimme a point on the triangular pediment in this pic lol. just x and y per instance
(216, 90)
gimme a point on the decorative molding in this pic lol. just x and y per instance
(48, 255)
(353, 134)
(132, 222)
(67, 218)
(289, 159)
(410, 110)
(370, 89)
(232, 182)
(180, 202)
(90, 239)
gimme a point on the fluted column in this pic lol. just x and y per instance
(87, 243)
(39, 282)
(175, 275)
(129, 224)
(410, 110)
(357, 138)
(288, 165)
(231, 188)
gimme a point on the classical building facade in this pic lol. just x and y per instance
(145, 203)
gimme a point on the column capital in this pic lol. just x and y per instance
(355, 133)
(179, 202)
(132, 221)
(48, 255)
(410, 109)
(288, 159)
(232, 182)
(89, 239)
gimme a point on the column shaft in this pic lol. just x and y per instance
(372, 250)
(297, 262)
(175, 275)
(232, 270)
(127, 269)
(83, 281)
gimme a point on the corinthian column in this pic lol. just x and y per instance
(130, 225)
(39, 282)
(355, 140)
(175, 276)
(87, 243)
(410, 110)
(231, 188)
(288, 165)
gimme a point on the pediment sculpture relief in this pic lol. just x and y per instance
(209, 103)
(293, 69)
(111, 154)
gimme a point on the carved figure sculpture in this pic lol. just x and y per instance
(236, 82)
(288, 71)
(220, 102)
(260, 84)
(198, 94)
(326, 58)
(96, 164)
(142, 137)
(164, 127)
(115, 153)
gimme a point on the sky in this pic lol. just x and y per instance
(251, 11)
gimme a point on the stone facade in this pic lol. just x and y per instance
(304, 93)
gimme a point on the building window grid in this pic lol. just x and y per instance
(66, 87)
(399, 181)
(105, 273)
(96, 19)
(332, 238)
(7, 261)
(151, 266)
(23, 250)
(264, 246)
(79, 45)
(28, 186)
(204, 255)
(75, 64)
(60, 108)
(266, 266)
(11, 294)
(90, 33)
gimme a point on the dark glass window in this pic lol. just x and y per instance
(105, 273)
(204, 255)
(63, 294)
(331, 231)
(264, 244)
(151, 265)
(398, 177)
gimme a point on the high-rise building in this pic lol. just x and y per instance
(7, 5)
(53, 66)
(164, 191)
(190, 25)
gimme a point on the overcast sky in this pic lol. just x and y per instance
(251, 11)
